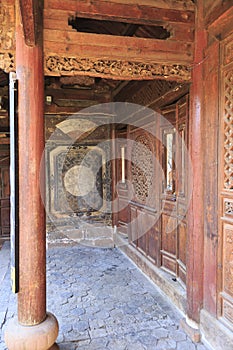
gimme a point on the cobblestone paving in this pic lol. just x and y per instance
(102, 301)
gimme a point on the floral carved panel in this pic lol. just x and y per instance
(65, 65)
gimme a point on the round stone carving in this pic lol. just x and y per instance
(79, 180)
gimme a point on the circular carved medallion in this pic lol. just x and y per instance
(79, 180)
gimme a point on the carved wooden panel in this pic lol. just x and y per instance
(7, 36)
(118, 69)
(228, 52)
(228, 259)
(228, 207)
(7, 26)
(142, 167)
(225, 276)
(7, 61)
(228, 129)
(228, 311)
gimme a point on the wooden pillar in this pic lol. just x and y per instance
(211, 110)
(195, 237)
(32, 293)
(32, 238)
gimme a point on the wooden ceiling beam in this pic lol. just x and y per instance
(222, 26)
(61, 42)
(57, 20)
(125, 12)
(31, 15)
(76, 94)
(215, 13)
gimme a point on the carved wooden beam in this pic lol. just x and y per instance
(114, 69)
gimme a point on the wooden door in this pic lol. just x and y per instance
(174, 191)
(144, 231)
(121, 186)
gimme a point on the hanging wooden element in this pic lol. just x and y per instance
(7, 27)
(114, 69)
(7, 62)
(7, 36)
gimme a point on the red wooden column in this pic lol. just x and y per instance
(32, 238)
(32, 294)
(195, 239)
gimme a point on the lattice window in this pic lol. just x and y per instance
(142, 167)
(228, 130)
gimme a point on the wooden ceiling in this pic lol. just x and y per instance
(94, 50)
(119, 39)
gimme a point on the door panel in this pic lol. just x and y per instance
(122, 212)
(174, 189)
(168, 244)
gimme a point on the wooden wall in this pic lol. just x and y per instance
(225, 287)
(155, 217)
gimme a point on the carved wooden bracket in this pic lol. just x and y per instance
(7, 27)
(7, 61)
(7, 36)
(114, 69)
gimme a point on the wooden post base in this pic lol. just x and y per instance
(39, 337)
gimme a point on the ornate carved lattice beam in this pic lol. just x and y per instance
(114, 69)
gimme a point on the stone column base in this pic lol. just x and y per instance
(38, 337)
(193, 333)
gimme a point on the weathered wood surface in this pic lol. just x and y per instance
(221, 25)
(32, 250)
(214, 10)
(27, 10)
(64, 44)
(106, 46)
(225, 151)
(210, 135)
(195, 239)
(128, 12)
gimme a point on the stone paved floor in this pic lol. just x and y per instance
(102, 301)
